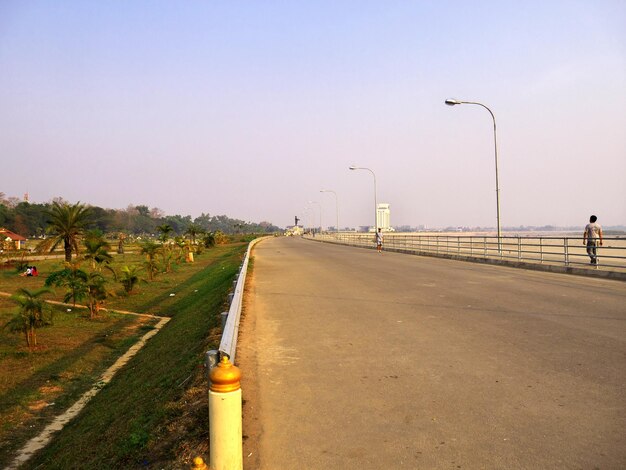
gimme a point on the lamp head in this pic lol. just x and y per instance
(452, 102)
(352, 167)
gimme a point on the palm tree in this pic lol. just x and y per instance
(129, 277)
(165, 230)
(150, 249)
(34, 313)
(96, 293)
(97, 249)
(166, 260)
(193, 231)
(66, 224)
(73, 279)
(209, 240)
(120, 243)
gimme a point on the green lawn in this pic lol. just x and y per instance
(125, 424)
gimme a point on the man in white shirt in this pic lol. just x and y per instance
(591, 237)
(379, 241)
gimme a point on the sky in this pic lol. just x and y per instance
(250, 108)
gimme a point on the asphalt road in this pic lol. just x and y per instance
(354, 360)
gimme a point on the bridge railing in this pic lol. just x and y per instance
(564, 251)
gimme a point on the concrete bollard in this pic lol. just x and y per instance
(224, 317)
(230, 297)
(225, 421)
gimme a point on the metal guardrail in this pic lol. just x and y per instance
(563, 251)
(228, 344)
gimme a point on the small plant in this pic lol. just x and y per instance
(33, 313)
(97, 293)
(20, 266)
(73, 279)
(166, 260)
(129, 277)
(220, 237)
(97, 249)
(209, 240)
(151, 249)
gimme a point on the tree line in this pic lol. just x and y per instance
(67, 227)
(31, 220)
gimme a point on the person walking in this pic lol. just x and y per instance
(591, 236)
(379, 241)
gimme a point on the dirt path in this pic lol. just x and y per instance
(40, 441)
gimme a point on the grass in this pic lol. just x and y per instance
(35, 386)
(123, 425)
(127, 422)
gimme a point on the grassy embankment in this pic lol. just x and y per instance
(128, 423)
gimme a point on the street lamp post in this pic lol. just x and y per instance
(453, 102)
(336, 205)
(306, 212)
(320, 206)
(375, 199)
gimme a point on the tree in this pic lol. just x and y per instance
(66, 224)
(165, 230)
(193, 231)
(150, 249)
(129, 277)
(220, 237)
(97, 293)
(97, 249)
(73, 279)
(120, 243)
(209, 240)
(166, 259)
(34, 313)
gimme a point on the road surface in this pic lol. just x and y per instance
(355, 360)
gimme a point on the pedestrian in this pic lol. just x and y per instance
(379, 241)
(591, 236)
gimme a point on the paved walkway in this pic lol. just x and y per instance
(354, 360)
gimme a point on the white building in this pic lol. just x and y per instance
(383, 217)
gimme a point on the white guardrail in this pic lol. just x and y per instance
(228, 344)
(553, 251)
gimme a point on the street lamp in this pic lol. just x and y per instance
(315, 202)
(336, 205)
(306, 213)
(453, 102)
(375, 201)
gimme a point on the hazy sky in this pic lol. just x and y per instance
(250, 108)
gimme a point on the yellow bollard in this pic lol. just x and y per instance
(198, 464)
(225, 417)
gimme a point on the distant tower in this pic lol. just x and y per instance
(25, 197)
(383, 217)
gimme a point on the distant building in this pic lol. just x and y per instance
(383, 217)
(10, 240)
